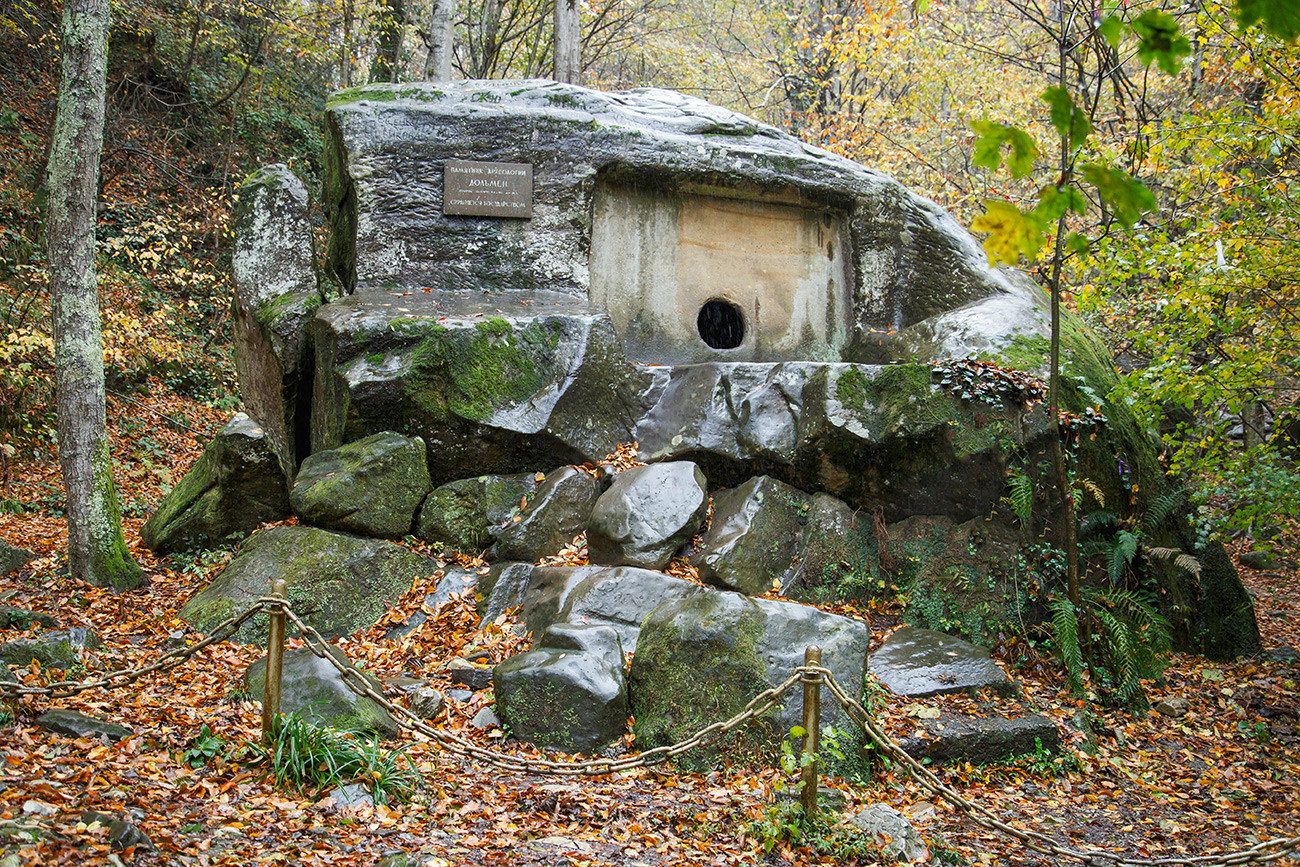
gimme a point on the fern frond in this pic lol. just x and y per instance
(1187, 562)
(1094, 522)
(1022, 495)
(1065, 635)
(1161, 508)
(1097, 493)
(1122, 554)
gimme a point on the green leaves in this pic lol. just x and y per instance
(993, 136)
(1126, 196)
(1069, 120)
(1279, 17)
(1011, 232)
(1159, 40)
(1054, 201)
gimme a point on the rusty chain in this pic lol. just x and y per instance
(1260, 853)
(125, 676)
(1268, 850)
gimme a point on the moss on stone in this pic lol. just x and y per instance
(898, 397)
(472, 373)
(681, 682)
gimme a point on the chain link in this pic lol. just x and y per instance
(126, 676)
(356, 681)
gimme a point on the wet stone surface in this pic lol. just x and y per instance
(916, 663)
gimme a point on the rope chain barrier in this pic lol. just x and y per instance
(123, 677)
(356, 681)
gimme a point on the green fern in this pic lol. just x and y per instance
(1022, 494)
(1065, 635)
(1124, 548)
(1161, 508)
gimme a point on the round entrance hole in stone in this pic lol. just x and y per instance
(721, 324)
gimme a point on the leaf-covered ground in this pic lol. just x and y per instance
(1223, 776)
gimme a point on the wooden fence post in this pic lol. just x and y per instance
(812, 712)
(274, 664)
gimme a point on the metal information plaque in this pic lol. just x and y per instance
(487, 189)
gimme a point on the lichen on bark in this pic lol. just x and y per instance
(97, 553)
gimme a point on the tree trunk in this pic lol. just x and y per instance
(388, 30)
(568, 42)
(96, 551)
(442, 23)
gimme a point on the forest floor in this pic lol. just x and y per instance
(1222, 777)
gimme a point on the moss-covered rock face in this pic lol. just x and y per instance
(468, 514)
(237, 484)
(59, 648)
(570, 693)
(276, 293)
(752, 539)
(337, 584)
(372, 486)
(703, 657)
(488, 393)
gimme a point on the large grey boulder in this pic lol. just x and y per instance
(625, 187)
(702, 658)
(468, 514)
(237, 484)
(891, 831)
(753, 537)
(501, 589)
(553, 517)
(618, 597)
(492, 384)
(313, 687)
(337, 584)
(886, 437)
(916, 663)
(570, 693)
(13, 558)
(372, 486)
(647, 514)
(57, 648)
(276, 294)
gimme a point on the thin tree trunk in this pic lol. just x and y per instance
(568, 42)
(442, 23)
(96, 551)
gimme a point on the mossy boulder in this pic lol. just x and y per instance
(372, 486)
(13, 558)
(276, 293)
(313, 687)
(492, 386)
(237, 484)
(619, 597)
(556, 514)
(700, 659)
(570, 693)
(57, 648)
(468, 514)
(337, 584)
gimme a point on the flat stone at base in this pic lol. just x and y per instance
(981, 740)
(916, 663)
(78, 725)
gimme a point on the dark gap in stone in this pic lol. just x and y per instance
(721, 325)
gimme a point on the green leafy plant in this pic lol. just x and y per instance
(205, 747)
